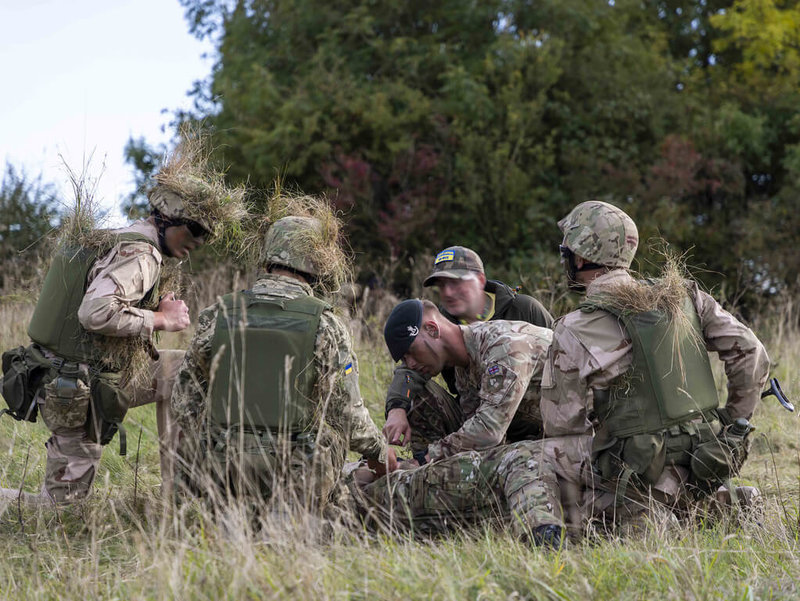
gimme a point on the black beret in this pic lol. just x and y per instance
(402, 327)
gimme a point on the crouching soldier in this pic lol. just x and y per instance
(100, 303)
(629, 403)
(267, 397)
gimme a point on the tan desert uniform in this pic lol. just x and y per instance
(590, 351)
(117, 283)
(343, 422)
(498, 391)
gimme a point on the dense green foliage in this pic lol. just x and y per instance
(28, 210)
(482, 123)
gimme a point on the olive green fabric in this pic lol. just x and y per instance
(264, 377)
(664, 408)
(55, 323)
(670, 381)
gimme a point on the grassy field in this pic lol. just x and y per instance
(123, 545)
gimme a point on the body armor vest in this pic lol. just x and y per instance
(670, 381)
(264, 353)
(55, 323)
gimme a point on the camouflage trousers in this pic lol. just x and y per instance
(264, 471)
(72, 458)
(513, 483)
(589, 502)
(435, 413)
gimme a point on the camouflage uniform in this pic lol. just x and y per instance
(502, 302)
(343, 423)
(513, 483)
(592, 351)
(117, 283)
(498, 392)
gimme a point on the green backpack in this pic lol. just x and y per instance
(263, 353)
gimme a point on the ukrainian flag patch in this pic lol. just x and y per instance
(348, 368)
(445, 255)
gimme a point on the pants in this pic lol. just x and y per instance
(513, 482)
(270, 470)
(72, 458)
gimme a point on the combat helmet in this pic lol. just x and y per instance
(173, 207)
(290, 242)
(188, 189)
(600, 233)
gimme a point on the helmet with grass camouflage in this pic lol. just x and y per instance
(601, 233)
(173, 205)
(289, 242)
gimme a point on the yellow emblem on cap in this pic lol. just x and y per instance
(445, 255)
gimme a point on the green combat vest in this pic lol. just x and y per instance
(263, 351)
(666, 386)
(650, 417)
(55, 324)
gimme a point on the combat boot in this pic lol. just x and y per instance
(548, 536)
(746, 497)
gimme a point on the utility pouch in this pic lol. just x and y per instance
(66, 401)
(720, 458)
(644, 455)
(24, 370)
(712, 462)
(109, 406)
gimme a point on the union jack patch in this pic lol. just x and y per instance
(348, 368)
(493, 370)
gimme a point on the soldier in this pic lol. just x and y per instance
(267, 397)
(505, 482)
(95, 296)
(627, 391)
(498, 367)
(414, 407)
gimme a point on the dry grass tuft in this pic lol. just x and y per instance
(326, 245)
(188, 172)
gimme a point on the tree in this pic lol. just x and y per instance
(145, 161)
(436, 123)
(28, 210)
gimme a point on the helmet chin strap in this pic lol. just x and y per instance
(571, 269)
(161, 225)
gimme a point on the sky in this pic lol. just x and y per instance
(80, 77)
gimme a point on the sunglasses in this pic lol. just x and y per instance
(197, 230)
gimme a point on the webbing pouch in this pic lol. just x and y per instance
(716, 460)
(108, 408)
(25, 370)
(644, 455)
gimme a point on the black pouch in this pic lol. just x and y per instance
(108, 408)
(24, 372)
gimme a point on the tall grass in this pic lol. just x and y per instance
(123, 543)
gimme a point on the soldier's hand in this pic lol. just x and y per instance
(172, 314)
(381, 469)
(397, 430)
